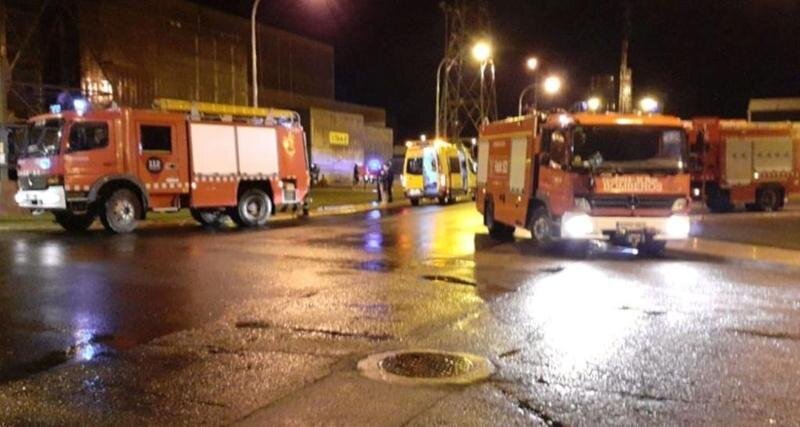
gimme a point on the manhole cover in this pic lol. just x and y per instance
(420, 367)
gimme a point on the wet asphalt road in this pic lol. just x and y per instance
(181, 325)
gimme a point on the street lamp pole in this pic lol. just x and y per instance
(533, 87)
(254, 45)
(448, 62)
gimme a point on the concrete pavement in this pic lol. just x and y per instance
(176, 325)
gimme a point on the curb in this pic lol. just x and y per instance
(38, 224)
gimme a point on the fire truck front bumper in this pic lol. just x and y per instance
(54, 198)
(581, 226)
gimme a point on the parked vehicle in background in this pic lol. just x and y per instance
(119, 164)
(436, 170)
(583, 177)
(755, 165)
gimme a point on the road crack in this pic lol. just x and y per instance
(315, 331)
(765, 334)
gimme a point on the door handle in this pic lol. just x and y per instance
(108, 163)
(172, 166)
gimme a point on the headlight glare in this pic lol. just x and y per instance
(577, 225)
(678, 226)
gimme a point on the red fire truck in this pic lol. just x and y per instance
(118, 164)
(584, 177)
(741, 163)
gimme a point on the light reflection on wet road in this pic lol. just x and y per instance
(672, 330)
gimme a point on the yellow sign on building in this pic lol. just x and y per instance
(341, 139)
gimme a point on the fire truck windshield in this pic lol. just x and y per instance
(629, 148)
(43, 139)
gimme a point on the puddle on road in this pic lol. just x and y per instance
(376, 266)
(88, 346)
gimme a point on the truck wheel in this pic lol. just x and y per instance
(769, 199)
(206, 218)
(541, 228)
(121, 212)
(254, 209)
(74, 223)
(414, 202)
(497, 231)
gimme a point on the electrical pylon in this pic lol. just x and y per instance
(469, 97)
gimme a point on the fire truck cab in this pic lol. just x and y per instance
(584, 177)
(118, 164)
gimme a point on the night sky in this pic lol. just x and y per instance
(702, 57)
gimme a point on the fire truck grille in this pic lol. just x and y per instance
(32, 182)
(632, 202)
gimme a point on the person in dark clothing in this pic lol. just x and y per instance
(379, 183)
(388, 181)
(356, 175)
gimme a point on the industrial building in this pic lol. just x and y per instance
(133, 51)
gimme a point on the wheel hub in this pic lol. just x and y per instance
(123, 211)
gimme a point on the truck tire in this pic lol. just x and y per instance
(653, 248)
(541, 227)
(497, 231)
(414, 202)
(769, 199)
(719, 202)
(209, 218)
(74, 223)
(254, 209)
(121, 212)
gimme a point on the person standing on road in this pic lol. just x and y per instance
(380, 186)
(388, 178)
(356, 175)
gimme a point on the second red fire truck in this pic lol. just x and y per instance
(746, 164)
(119, 164)
(584, 177)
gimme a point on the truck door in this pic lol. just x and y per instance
(739, 161)
(555, 185)
(89, 156)
(163, 157)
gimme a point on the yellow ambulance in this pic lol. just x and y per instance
(437, 170)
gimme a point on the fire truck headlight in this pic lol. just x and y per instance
(678, 226)
(45, 163)
(680, 205)
(577, 225)
(696, 192)
(19, 198)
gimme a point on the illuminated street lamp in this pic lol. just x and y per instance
(552, 85)
(482, 51)
(649, 104)
(594, 103)
(532, 64)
